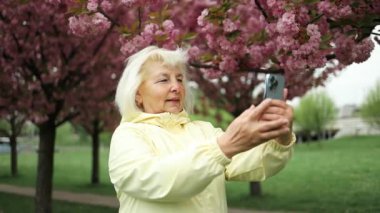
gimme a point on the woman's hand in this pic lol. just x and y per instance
(250, 129)
(281, 110)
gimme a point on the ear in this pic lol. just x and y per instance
(138, 99)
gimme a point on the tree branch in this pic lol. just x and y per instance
(255, 70)
(5, 19)
(35, 71)
(140, 20)
(113, 22)
(329, 57)
(261, 9)
(67, 118)
(99, 45)
(316, 19)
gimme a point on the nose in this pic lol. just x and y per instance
(175, 87)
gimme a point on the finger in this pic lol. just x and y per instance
(278, 103)
(274, 133)
(270, 117)
(259, 110)
(275, 110)
(265, 126)
(286, 92)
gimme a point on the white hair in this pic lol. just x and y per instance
(132, 78)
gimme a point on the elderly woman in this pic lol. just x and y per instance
(160, 161)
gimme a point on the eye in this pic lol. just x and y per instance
(179, 79)
(162, 80)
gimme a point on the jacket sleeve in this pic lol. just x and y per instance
(260, 162)
(137, 170)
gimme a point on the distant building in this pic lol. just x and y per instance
(350, 123)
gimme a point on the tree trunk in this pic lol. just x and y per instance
(43, 199)
(95, 152)
(255, 189)
(13, 144)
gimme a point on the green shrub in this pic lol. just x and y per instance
(315, 112)
(370, 109)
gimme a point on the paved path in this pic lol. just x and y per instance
(86, 198)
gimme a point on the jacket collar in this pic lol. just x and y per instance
(165, 119)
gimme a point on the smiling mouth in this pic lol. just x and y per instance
(173, 99)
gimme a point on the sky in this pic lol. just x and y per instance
(353, 83)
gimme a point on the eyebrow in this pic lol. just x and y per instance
(167, 75)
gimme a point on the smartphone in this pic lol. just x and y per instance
(274, 86)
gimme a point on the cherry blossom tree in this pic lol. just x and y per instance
(12, 113)
(233, 41)
(98, 112)
(51, 69)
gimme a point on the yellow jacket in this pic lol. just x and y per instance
(163, 163)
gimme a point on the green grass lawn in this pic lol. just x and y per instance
(72, 170)
(10, 203)
(332, 176)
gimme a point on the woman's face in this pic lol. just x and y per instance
(162, 89)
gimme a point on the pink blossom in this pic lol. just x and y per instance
(362, 51)
(168, 25)
(224, 43)
(210, 40)
(277, 7)
(287, 43)
(303, 16)
(88, 25)
(106, 5)
(345, 11)
(175, 34)
(256, 56)
(326, 7)
(209, 28)
(229, 26)
(92, 5)
(128, 3)
(295, 64)
(228, 64)
(287, 24)
(211, 73)
(149, 30)
(131, 46)
(256, 24)
(193, 52)
(201, 19)
(312, 45)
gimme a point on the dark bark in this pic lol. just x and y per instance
(13, 144)
(44, 184)
(95, 152)
(255, 189)
(16, 122)
(254, 186)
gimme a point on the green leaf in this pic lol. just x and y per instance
(233, 35)
(160, 38)
(311, 1)
(206, 57)
(258, 38)
(189, 36)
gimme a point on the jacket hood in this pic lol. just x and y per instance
(165, 119)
